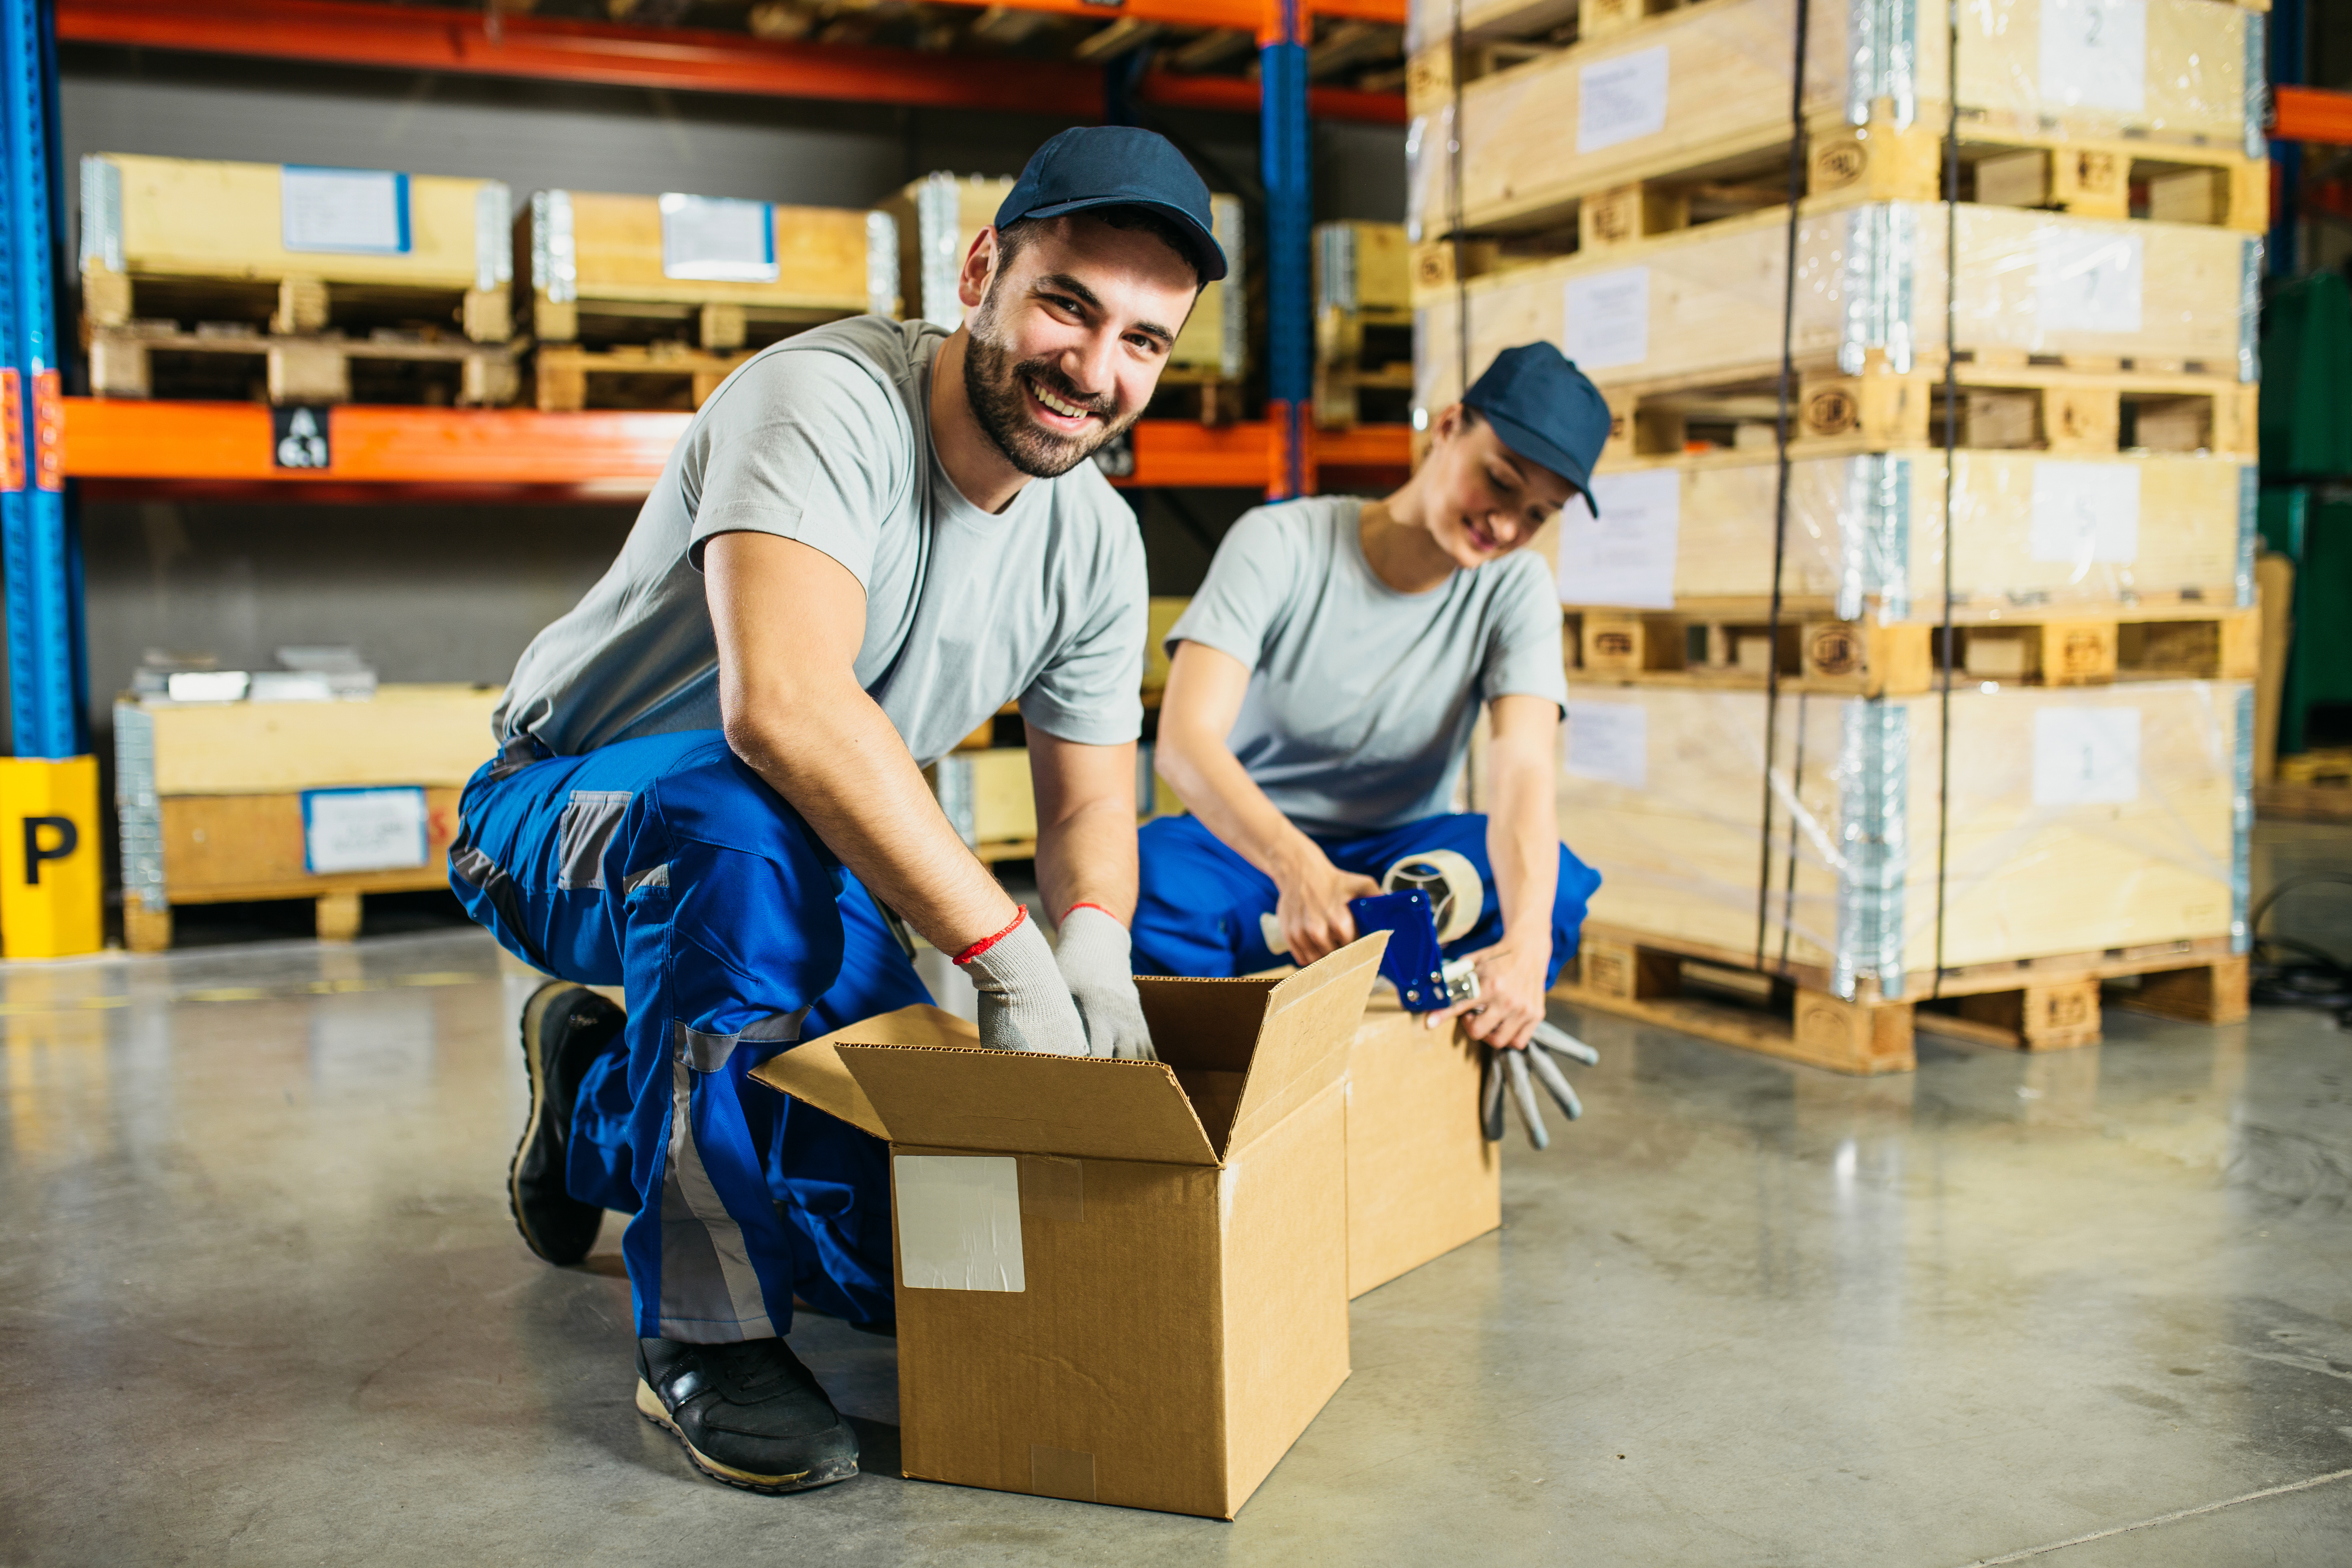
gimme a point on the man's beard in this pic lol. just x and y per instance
(993, 385)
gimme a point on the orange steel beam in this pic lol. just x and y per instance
(2310, 115)
(444, 39)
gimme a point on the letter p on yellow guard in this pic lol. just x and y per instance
(51, 886)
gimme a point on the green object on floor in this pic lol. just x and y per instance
(2306, 411)
(2312, 526)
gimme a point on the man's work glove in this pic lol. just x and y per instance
(1516, 1069)
(1023, 1004)
(1097, 963)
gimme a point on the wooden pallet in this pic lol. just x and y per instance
(594, 270)
(1690, 305)
(1363, 362)
(1877, 659)
(1699, 99)
(190, 240)
(2034, 1005)
(157, 359)
(659, 375)
(1204, 393)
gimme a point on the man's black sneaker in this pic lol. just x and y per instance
(564, 1027)
(750, 1414)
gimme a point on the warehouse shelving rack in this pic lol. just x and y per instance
(385, 452)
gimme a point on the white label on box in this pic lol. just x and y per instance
(359, 211)
(1609, 742)
(2085, 757)
(1619, 100)
(2094, 54)
(1605, 318)
(959, 1222)
(2086, 513)
(718, 239)
(362, 829)
(1625, 556)
(2087, 279)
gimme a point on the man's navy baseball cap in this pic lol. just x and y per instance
(1118, 167)
(1545, 410)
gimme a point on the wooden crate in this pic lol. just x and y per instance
(1363, 322)
(2088, 819)
(190, 240)
(1699, 97)
(600, 257)
(940, 215)
(210, 796)
(1687, 308)
(659, 376)
(1867, 530)
(2040, 1004)
(156, 359)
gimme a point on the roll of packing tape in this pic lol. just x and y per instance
(1456, 895)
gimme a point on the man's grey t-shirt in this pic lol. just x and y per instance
(825, 438)
(1361, 699)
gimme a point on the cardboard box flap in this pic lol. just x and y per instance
(1018, 1102)
(1302, 1045)
(813, 1072)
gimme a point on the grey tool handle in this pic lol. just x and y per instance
(1523, 1092)
(1490, 1095)
(1547, 1070)
(1558, 1041)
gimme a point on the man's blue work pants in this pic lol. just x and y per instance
(668, 867)
(1199, 904)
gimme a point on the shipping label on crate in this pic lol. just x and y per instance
(2085, 513)
(1608, 743)
(373, 829)
(1605, 318)
(2084, 755)
(2094, 54)
(959, 1222)
(718, 239)
(358, 212)
(1625, 556)
(2087, 279)
(1620, 99)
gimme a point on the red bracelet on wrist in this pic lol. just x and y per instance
(1087, 904)
(984, 944)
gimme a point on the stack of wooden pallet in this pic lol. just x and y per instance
(649, 301)
(300, 285)
(2080, 325)
(1363, 323)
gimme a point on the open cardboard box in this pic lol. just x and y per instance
(1117, 1281)
(1422, 1178)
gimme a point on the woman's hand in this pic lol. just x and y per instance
(1313, 907)
(1510, 1000)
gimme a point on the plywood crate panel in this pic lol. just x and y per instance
(1871, 287)
(2080, 821)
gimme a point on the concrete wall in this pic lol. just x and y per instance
(453, 593)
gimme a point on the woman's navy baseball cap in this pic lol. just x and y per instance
(1118, 167)
(1546, 410)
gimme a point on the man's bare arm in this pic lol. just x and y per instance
(789, 620)
(1085, 824)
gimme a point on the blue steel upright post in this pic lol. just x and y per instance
(44, 704)
(1284, 157)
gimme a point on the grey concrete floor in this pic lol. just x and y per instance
(261, 1301)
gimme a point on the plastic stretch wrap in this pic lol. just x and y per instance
(1870, 289)
(2080, 820)
(1867, 534)
(1712, 83)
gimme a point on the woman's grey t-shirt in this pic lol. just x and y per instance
(1361, 699)
(825, 438)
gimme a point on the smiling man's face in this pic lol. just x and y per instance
(1070, 337)
(1485, 499)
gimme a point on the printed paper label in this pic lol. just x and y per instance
(2085, 757)
(2094, 54)
(1608, 743)
(2086, 280)
(360, 211)
(718, 239)
(1619, 100)
(1606, 319)
(362, 829)
(959, 1222)
(2086, 513)
(1625, 556)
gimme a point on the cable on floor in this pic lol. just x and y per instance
(2291, 974)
